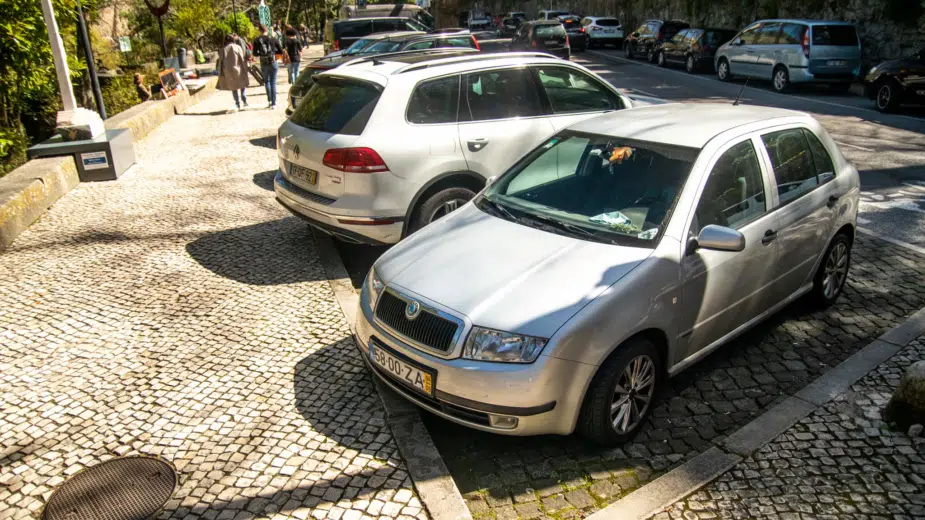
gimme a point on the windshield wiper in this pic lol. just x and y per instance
(571, 228)
(499, 208)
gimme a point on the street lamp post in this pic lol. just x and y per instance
(91, 64)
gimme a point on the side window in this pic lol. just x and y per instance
(458, 42)
(734, 193)
(429, 44)
(693, 35)
(791, 34)
(501, 94)
(792, 162)
(389, 25)
(571, 91)
(678, 38)
(356, 29)
(748, 35)
(586, 22)
(642, 29)
(825, 170)
(434, 101)
(768, 34)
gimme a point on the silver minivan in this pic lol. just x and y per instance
(793, 51)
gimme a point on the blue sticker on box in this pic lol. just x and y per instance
(94, 160)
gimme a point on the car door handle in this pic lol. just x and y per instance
(477, 144)
(832, 200)
(769, 236)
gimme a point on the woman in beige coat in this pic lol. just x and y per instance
(232, 70)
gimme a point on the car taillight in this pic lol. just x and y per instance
(475, 43)
(581, 29)
(533, 43)
(354, 160)
(805, 43)
(566, 40)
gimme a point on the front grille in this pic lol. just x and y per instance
(428, 328)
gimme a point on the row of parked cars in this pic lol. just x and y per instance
(560, 249)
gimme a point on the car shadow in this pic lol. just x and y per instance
(270, 253)
(265, 179)
(265, 142)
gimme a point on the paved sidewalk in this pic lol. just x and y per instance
(839, 462)
(181, 312)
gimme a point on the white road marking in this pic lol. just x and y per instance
(918, 185)
(863, 221)
(849, 145)
(900, 243)
(790, 96)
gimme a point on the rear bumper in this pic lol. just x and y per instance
(807, 75)
(374, 230)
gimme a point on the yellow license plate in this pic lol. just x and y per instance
(405, 372)
(303, 174)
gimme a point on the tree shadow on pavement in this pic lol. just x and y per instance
(265, 179)
(213, 113)
(265, 142)
(270, 253)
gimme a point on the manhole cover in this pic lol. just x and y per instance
(129, 488)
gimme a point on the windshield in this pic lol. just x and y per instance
(382, 46)
(358, 46)
(594, 187)
(607, 22)
(546, 31)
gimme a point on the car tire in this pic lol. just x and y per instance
(598, 417)
(829, 282)
(723, 72)
(780, 80)
(438, 205)
(628, 50)
(660, 59)
(690, 65)
(886, 96)
(650, 54)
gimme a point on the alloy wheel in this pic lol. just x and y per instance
(446, 208)
(780, 80)
(836, 270)
(723, 71)
(690, 64)
(883, 97)
(632, 394)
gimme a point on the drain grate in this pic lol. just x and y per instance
(128, 488)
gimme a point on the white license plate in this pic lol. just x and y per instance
(551, 42)
(405, 372)
(836, 63)
(303, 174)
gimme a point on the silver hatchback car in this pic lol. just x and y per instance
(793, 51)
(614, 255)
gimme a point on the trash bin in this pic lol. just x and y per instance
(181, 57)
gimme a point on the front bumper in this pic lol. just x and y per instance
(544, 397)
(374, 230)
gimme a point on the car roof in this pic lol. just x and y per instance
(394, 34)
(601, 17)
(367, 18)
(806, 21)
(681, 124)
(544, 22)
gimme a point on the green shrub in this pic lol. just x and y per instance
(13, 145)
(119, 94)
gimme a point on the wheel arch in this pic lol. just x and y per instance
(657, 336)
(463, 178)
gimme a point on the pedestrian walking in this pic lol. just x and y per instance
(266, 48)
(294, 51)
(232, 70)
(143, 93)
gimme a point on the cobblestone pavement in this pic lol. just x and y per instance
(841, 461)
(505, 477)
(181, 312)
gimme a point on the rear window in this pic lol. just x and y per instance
(717, 38)
(607, 22)
(337, 106)
(546, 31)
(838, 35)
(353, 29)
(791, 34)
(464, 41)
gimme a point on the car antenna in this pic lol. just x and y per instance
(736, 102)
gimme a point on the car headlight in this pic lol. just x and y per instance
(374, 287)
(502, 347)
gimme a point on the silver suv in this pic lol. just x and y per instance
(793, 51)
(382, 146)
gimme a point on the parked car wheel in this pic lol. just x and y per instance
(439, 205)
(650, 54)
(690, 65)
(620, 397)
(887, 99)
(722, 70)
(781, 79)
(833, 271)
(628, 50)
(660, 59)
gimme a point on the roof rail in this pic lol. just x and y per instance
(386, 55)
(474, 57)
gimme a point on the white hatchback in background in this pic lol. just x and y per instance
(603, 30)
(382, 146)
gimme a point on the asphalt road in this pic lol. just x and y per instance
(887, 149)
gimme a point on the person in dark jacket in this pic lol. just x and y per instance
(294, 51)
(266, 48)
(143, 93)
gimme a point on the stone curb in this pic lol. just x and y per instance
(709, 465)
(436, 488)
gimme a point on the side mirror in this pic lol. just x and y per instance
(737, 41)
(717, 238)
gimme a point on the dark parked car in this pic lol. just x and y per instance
(342, 33)
(649, 36)
(693, 48)
(544, 36)
(897, 82)
(508, 27)
(577, 37)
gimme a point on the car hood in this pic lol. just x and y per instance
(504, 275)
(901, 63)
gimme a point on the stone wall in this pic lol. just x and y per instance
(888, 28)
